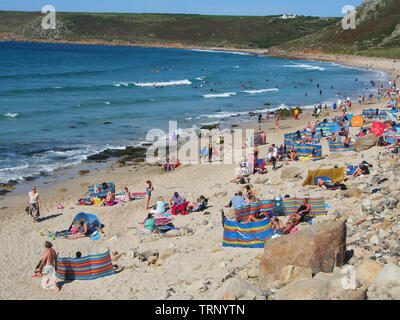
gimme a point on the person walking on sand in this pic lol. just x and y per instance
(47, 266)
(276, 122)
(34, 204)
(296, 114)
(149, 189)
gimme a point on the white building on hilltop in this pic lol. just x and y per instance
(288, 16)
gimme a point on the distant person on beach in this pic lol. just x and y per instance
(34, 204)
(276, 122)
(149, 189)
(47, 266)
(296, 114)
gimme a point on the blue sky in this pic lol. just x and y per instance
(223, 7)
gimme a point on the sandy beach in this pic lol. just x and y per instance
(194, 265)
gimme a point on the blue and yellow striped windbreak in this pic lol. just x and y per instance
(339, 146)
(242, 213)
(391, 137)
(317, 205)
(290, 205)
(86, 268)
(371, 113)
(249, 235)
(308, 150)
(325, 127)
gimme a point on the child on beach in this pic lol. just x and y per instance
(149, 189)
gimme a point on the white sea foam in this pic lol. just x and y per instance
(219, 95)
(125, 84)
(107, 102)
(304, 66)
(163, 84)
(261, 91)
(11, 115)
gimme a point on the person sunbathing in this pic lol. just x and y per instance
(199, 205)
(109, 200)
(279, 228)
(243, 173)
(293, 155)
(301, 212)
(83, 231)
(346, 142)
(394, 147)
(363, 168)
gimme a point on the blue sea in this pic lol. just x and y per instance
(61, 103)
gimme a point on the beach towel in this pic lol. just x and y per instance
(86, 268)
(249, 235)
(335, 174)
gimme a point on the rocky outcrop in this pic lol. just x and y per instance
(365, 142)
(319, 247)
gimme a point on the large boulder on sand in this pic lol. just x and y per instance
(319, 247)
(366, 142)
(291, 173)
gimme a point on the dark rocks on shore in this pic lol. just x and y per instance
(98, 157)
(128, 154)
(30, 178)
(83, 172)
(287, 113)
(209, 127)
(7, 186)
(4, 192)
(252, 114)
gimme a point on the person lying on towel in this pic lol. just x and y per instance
(361, 169)
(330, 185)
(198, 205)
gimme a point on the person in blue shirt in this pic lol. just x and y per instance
(237, 201)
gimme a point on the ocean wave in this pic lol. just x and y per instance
(163, 84)
(125, 84)
(261, 91)
(11, 115)
(304, 66)
(220, 95)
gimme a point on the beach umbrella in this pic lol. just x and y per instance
(357, 121)
(377, 128)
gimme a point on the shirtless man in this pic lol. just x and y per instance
(47, 265)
